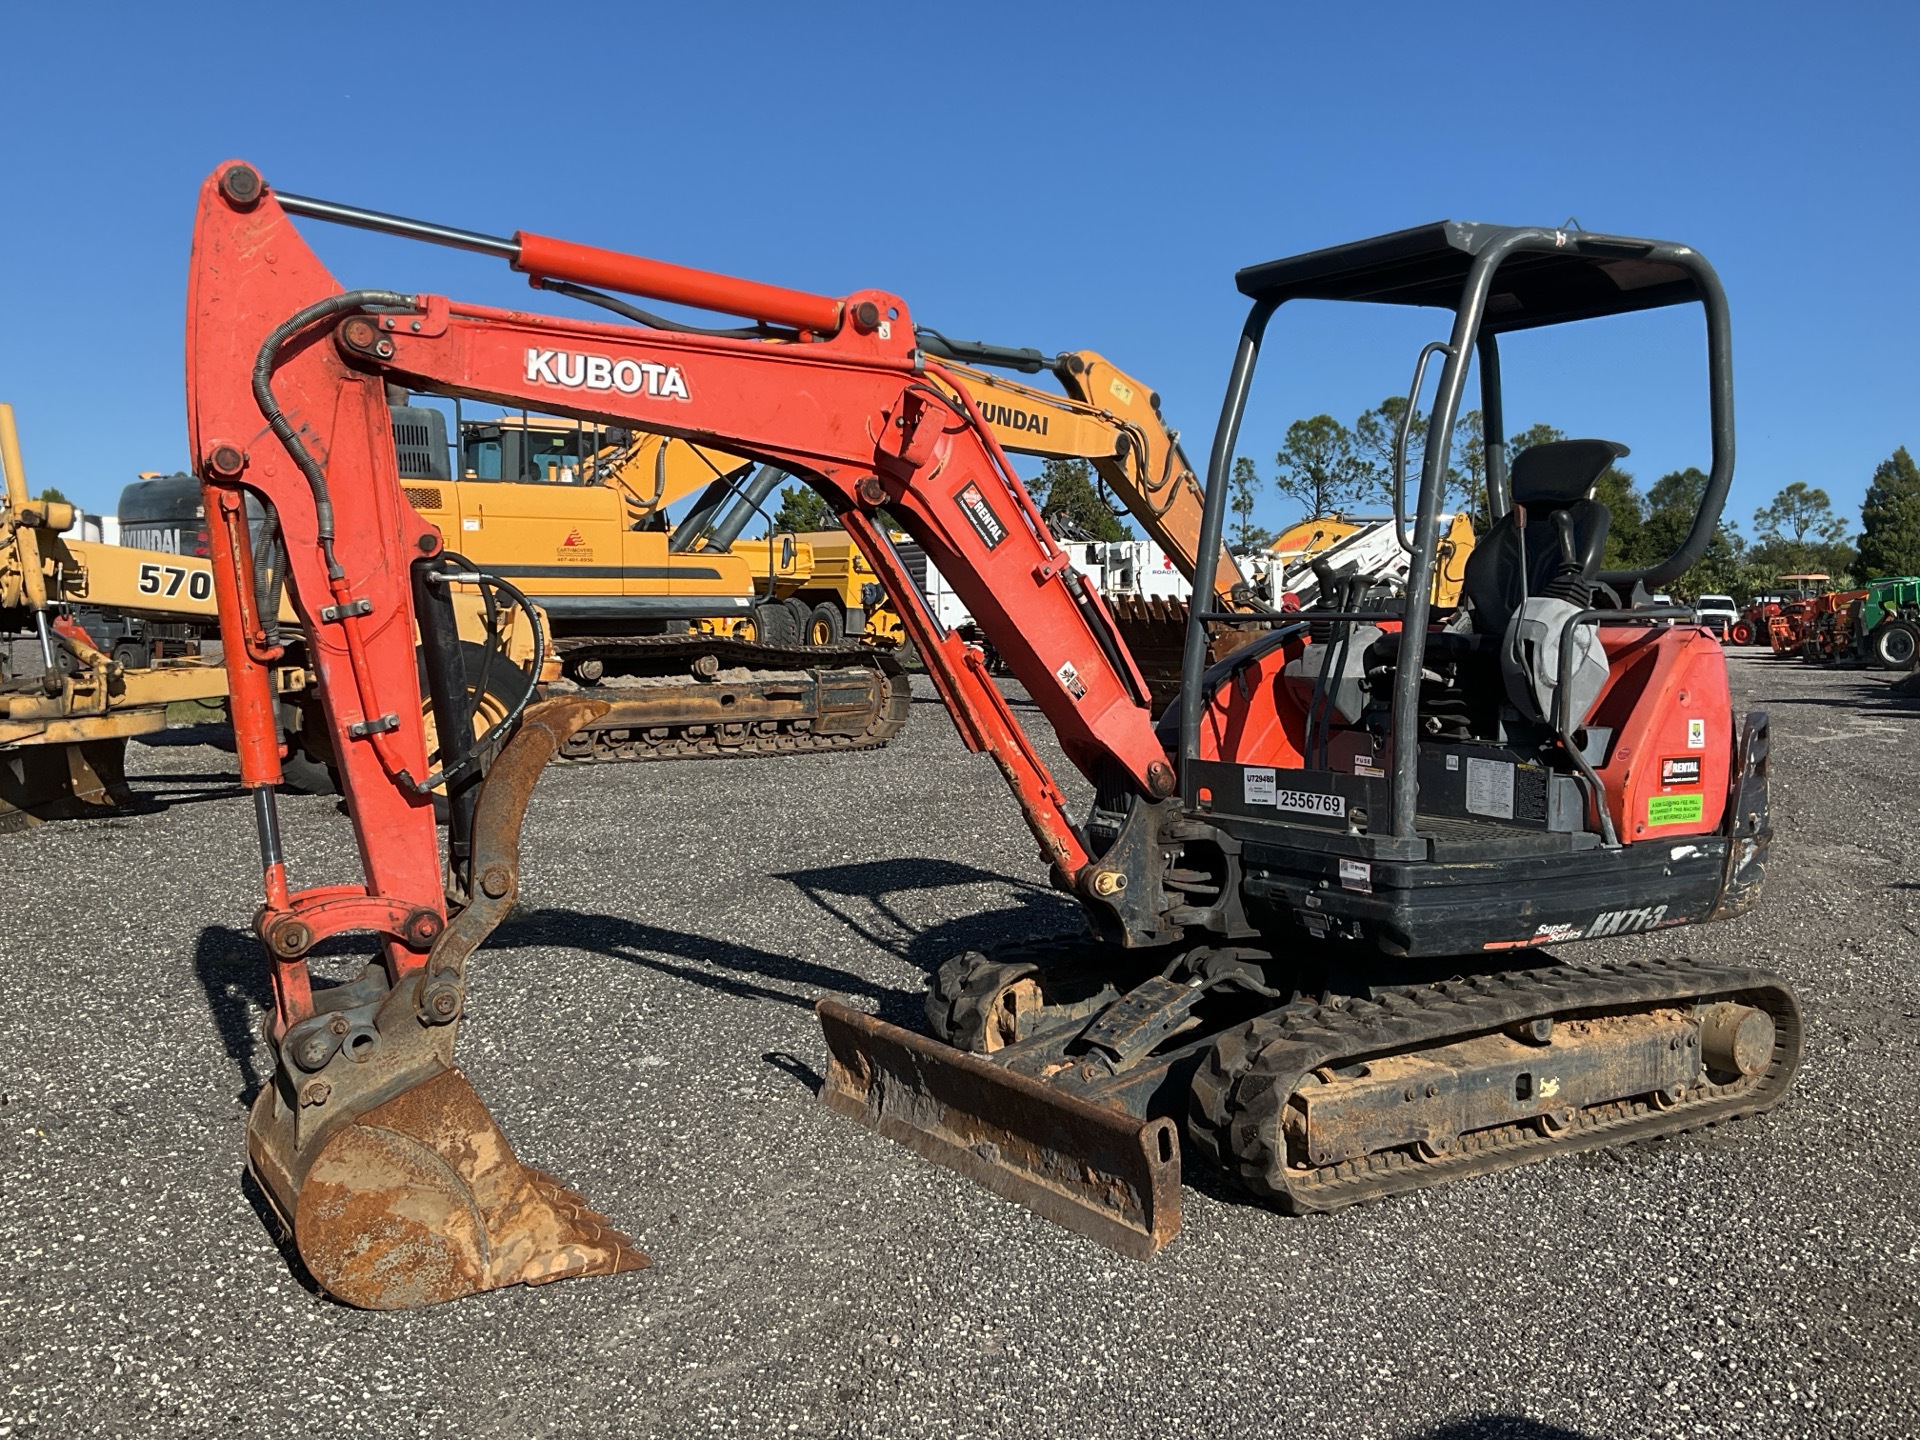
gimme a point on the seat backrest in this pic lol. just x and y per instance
(1553, 528)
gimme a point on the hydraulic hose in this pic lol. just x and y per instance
(263, 396)
(659, 322)
(512, 717)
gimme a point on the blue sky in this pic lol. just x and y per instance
(1059, 176)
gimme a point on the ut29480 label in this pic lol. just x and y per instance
(1260, 786)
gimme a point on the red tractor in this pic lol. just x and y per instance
(1791, 619)
(1751, 627)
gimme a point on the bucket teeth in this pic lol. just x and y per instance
(421, 1200)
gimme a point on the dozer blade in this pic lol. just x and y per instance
(422, 1200)
(1101, 1172)
(381, 1160)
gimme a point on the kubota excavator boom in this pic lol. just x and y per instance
(1350, 786)
(287, 377)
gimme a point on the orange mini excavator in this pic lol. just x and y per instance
(1275, 878)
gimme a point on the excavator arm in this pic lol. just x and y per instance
(1112, 421)
(287, 377)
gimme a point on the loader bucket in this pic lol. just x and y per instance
(385, 1166)
(1108, 1175)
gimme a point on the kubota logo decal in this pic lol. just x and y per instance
(572, 370)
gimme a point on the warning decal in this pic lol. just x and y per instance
(1675, 809)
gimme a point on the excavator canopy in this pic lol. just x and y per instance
(1593, 275)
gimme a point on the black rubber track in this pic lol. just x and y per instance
(1242, 1088)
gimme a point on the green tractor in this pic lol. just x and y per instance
(1886, 625)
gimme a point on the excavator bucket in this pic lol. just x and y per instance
(421, 1199)
(1108, 1175)
(386, 1168)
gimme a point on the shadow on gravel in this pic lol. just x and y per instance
(653, 948)
(1875, 696)
(745, 967)
(796, 1067)
(1037, 910)
(231, 969)
(217, 733)
(154, 793)
(1499, 1427)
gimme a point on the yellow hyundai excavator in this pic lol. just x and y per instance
(1106, 417)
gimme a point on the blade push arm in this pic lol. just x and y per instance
(272, 336)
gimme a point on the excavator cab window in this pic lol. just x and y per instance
(530, 455)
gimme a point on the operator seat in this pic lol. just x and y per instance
(1523, 583)
(1550, 543)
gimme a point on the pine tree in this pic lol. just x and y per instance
(1798, 532)
(802, 509)
(1071, 504)
(1246, 479)
(1374, 434)
(1318, 466)
(1890, 519)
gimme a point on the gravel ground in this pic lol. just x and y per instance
(645, 1033)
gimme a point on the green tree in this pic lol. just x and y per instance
(1798, 532)
(1468, 471)
(1672, 504)
(1246, 478)
(1374, 434)
(1067, 497)
(802, 508)
(54, 493)
(1801, 513)
(1890, 519)
(1628, 511)
(1531, 436)
(1317, 465)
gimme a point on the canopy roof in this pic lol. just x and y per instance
(1592, 275)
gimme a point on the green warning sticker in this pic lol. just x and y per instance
(1675, 809)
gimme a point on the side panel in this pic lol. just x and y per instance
(1669, 706)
